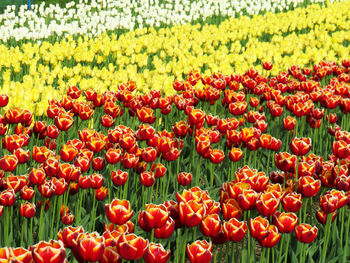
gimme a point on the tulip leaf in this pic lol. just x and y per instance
(294, 257)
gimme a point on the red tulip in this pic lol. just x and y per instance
(235, 154)
(8, 163)
(110, 255)
(341, 149)
(217, 156)
(49, 252)
(21, 255)
(101, 193)
(90, 246)
(158, 169)
(200, 251)
(155, 216)
(247, 199)
(285, 222)
(210, 225)
(147, 178)
(292, 202)
(231, 209)
(119, 211)
(165, 231)
(27, 210)
(191, 213)
(184, 179)
(285, 161)
(156, 253)
(107, 121)
(328, 203)
(308, 186)
(22, 155)
(98, 163)
(132, 247)
(113, 156)
(67, 218)
(27, 193)
(267, 65)
(4, 100)
(306, 233)
(63, 121)
(68, 234)
(259, 228)
(267, 204)
(7, 197)
(272, 238)
(300, 146)
(119, 177)
(235, 230)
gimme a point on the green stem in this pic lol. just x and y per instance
(22, 232)
(184, 242)
(281, 248)
(346, 240)
(125, 194)
(287, 247)
(296, 172)
(152, 234)
(328, 226)
(233, 245)
(262, 256)
(53, 216)
(40, 235)
(93, 210)
(58, 212)
(268, 255)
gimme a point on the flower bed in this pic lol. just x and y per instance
(96, 17)
(154, 60)
(250, 168)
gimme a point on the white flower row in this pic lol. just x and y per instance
(97, 16)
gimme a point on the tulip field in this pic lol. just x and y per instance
(193, 131)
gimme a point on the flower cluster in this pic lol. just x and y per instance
(92, 19)
(32, 73)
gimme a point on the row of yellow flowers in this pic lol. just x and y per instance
(154, 59)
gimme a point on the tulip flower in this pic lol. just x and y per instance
(210, 225)
(184, 179)
(90, 246)
(247, 199)
(341, 149)
(119, 177)
(285, 222)
(191, 213)
(231, 209)
(155, 216)
(199, 251)
(328, 203)
(68, 234)
(118, 212)
(147, 178)
(272, 238)
(49, 252)
(235, 230)
(300, 146)
(110, 255)
(267, 204)
(259, 228)
(308, 186)
(156, 253)
(8, 163)
(7, 197)
(306, 233)
(131, 247)
(27, 210)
